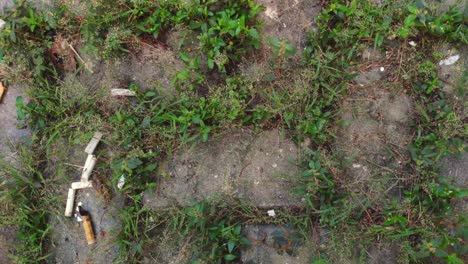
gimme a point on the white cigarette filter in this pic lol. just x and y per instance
(93, 143)
(70, 201)
(88, 168)
(81, 185)
(122, 92)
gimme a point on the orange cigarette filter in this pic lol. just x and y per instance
(88, 226)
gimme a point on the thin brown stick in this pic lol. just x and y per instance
(81, 59)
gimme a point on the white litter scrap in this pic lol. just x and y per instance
(2, 23)
(412, 44)
(450, 60)
(121, 182)
(271, 213)
(122, 92)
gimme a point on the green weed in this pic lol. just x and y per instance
(218, 236)
(449, 24)
(440, 130)
(135, 223)
(25, 196)
(23, 39)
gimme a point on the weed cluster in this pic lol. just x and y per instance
(343, 30)
(218, 236)
(224, 30)
(21, 194)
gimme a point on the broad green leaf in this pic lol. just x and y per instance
(231, 244)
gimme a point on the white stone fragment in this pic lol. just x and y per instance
(271, 213)
(412, 44)
(450, 60)
(122, 92)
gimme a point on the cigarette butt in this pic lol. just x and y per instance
(2, 90)
(81, 185)
(122, 92)
(88, 160)
(88, 228)
(70, 201)
(89, 166)
(93, 143)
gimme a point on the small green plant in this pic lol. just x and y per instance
(28, 215)
(33, 20)
(218, 236)
(116, 42)
(442, 247)
(135, 220)
(449, 23)
(323, 196)
(227, 33)
(24, 37)
(439, 128)
(282, 51)
(135, 171)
